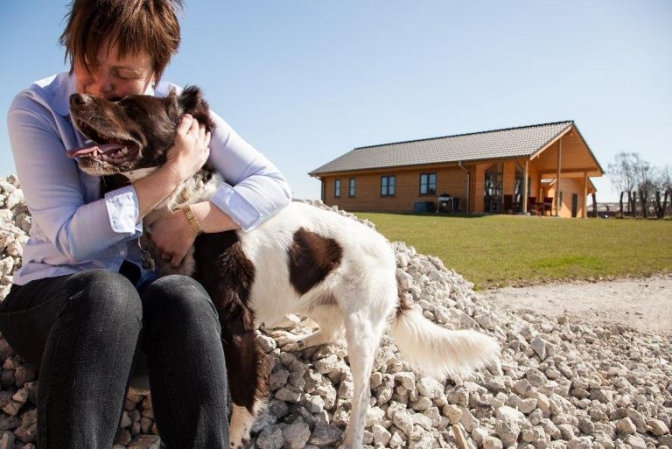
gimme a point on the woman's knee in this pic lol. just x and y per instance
(178, 294)
(106, 293)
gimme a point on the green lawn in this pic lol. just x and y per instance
(499, 250)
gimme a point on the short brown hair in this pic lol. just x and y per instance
(133, 25)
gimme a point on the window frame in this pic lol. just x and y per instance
(427, 184)
(388, 185)
(337, 188)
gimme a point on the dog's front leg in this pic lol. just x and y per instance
(248, 375)
(240, 427)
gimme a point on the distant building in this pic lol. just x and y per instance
(474, 173)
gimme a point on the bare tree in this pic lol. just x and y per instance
(644, 177)
(622, 173)
(638, 178)
(663, 185)
(659, 205)
(667, 184)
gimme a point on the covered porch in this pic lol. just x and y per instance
(553, 181)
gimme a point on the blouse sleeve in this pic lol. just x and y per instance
(253, 188)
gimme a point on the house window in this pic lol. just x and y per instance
(387, 185)
(428, 184)
(351, 191)
(337, 188)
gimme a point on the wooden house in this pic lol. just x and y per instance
(541, 169)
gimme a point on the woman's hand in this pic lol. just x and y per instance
(188, 154)
(190, 151)
(171, 237)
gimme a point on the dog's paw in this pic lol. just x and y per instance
(284, 338)
(288, 341)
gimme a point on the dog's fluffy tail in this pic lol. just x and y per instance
(441, 352)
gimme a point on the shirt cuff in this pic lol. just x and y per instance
(122, 209)
(235, 206)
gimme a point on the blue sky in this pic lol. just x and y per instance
(307, 81)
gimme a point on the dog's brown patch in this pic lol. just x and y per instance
(227, 274)
(311, 258)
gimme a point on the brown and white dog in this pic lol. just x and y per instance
(304, 260)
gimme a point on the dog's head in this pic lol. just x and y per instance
(133, 133)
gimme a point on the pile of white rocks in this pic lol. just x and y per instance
(561, 384)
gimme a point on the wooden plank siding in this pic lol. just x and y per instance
(449, 179)
(477, 187)
(569, 187)
(509, 177)
(575, 158)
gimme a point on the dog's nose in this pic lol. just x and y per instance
(79, 99)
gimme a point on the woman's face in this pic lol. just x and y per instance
(113, 77)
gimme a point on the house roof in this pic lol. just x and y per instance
(522, 141)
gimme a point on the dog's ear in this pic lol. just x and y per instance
(172, 106)
(191, 102)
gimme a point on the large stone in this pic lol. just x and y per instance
(325, 435)
(509, 424)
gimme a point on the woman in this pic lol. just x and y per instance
(82, 306)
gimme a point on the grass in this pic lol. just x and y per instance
(503, 250)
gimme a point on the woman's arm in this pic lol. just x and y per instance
(253, 190)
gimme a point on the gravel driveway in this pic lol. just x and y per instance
(643, 304)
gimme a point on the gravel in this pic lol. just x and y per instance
(564, 382)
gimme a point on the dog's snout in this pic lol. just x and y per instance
(79, 99)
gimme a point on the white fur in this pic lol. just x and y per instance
(364, 287)
(140, 173)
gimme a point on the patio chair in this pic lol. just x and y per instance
(532, 205)
(548, 205)
(508, 204)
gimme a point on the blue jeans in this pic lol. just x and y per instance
(84, 331)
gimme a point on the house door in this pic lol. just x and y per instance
(575, 205)
(492, 195)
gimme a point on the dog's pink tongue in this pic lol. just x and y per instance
(104, 148)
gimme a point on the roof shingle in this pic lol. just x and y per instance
(523, 141)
